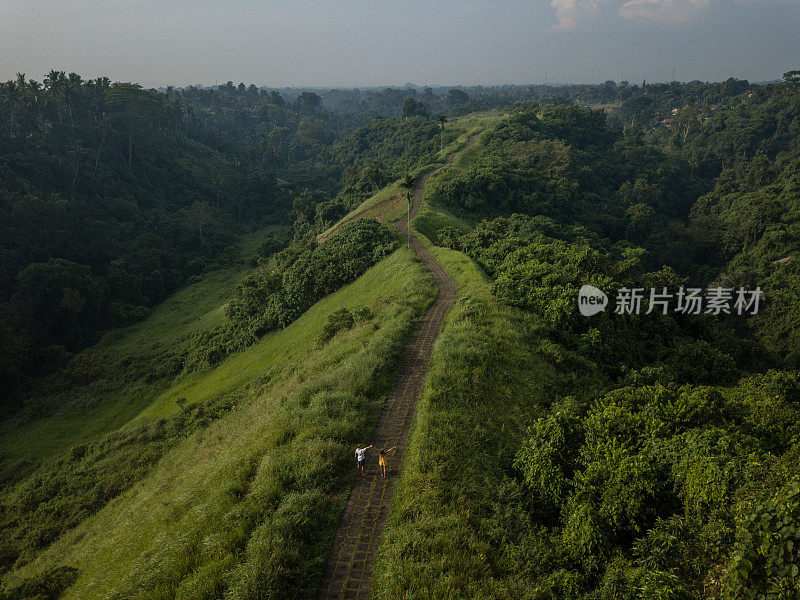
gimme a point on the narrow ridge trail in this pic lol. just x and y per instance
(348, 575)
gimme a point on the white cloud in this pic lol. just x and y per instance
(571, 13)
(669, 11)
(577, 14)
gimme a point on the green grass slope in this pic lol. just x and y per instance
(128, 379)
(114, 380)
(448, 535)
(431, 216)
(244, 503)
(492, 373)
(389, 204)
(132, 483)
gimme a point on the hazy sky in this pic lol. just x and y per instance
(351, 42)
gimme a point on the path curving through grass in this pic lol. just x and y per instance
(348, 575)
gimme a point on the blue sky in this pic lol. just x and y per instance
(349, 42)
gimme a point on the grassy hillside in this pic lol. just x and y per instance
(552, 456)
(386, 205)
(622, 456)
(389, 203)
(111, 382)
(491, 374)
(248, 496)
(432, 217)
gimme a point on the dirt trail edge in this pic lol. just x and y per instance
(348, 575)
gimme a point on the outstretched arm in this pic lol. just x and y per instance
(390, 449)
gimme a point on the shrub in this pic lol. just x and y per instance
(765, 562)
(337, 321)
(47, 585)
(274, 297)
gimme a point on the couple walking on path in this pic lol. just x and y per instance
(361, 453)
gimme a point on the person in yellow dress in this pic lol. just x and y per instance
(382, 460)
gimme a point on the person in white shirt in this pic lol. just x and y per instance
(361, 457)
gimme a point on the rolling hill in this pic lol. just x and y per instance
(549, 455)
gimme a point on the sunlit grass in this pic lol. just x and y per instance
(282, 345)
(485, 384)
(390, 204)
(386, 205)
(101, 406)
(259, 492)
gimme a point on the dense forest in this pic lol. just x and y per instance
(114, 196)
(647, 454)
(659, 457)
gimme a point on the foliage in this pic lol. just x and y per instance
(112, 197)
(277, 294)
(565, 163)
(765, 560)
(453, 504)
(148, 190)
(660, 457)
(552, 456)
(340, 320)
(246, 501)
(63, 493)
(414, 108)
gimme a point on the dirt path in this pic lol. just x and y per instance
(349, 572)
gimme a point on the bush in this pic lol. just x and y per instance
(275, 296)
(271, 244)
(46, 586)
(765, 562)
(338, 321)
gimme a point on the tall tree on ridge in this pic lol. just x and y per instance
(441, 120)
(408, 185)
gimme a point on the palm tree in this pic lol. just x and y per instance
(441, 119)
(408, 185)
(12, 98)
